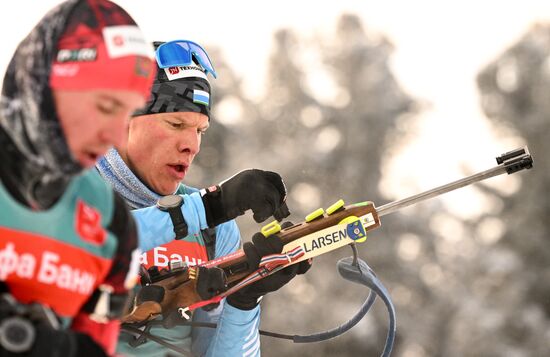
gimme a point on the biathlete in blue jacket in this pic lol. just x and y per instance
(67, 241)
(163, 139)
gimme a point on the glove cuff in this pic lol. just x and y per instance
(213, 206)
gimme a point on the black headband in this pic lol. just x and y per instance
(179, 95)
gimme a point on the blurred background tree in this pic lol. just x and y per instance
(462, 286)
(514, 95)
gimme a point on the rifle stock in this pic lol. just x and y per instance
(235, 265)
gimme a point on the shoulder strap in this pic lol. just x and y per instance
(209, 237)
(208, 234)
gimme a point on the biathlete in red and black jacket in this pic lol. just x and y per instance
(67, 242)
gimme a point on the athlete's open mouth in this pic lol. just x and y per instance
(178, 170)
(88, 158)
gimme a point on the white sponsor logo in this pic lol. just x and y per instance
(77, 55)
(48, 270)
(65, 70)
(368, 220)
(184, 72)
(126, 40)
(326, 240)
(162, 260)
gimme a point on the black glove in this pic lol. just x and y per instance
(261, 191)
(32, 330)
(210, 282)
(247, 297)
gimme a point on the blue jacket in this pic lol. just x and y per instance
(237, 331)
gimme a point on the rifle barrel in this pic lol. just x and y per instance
(409, 201)
(510, 162)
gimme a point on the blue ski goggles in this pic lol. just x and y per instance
(180, 52)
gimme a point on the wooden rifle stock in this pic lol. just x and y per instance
(236, 267)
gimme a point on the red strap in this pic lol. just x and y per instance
(268, 265)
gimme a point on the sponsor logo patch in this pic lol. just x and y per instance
(184, 72)
(126, 40)
(39, 268)
(88, 224)
(356, 231)
(143, 67)
(188, 252)
(325, 240)
(65, 69)
(77, 55)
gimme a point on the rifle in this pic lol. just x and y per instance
(321, 232)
